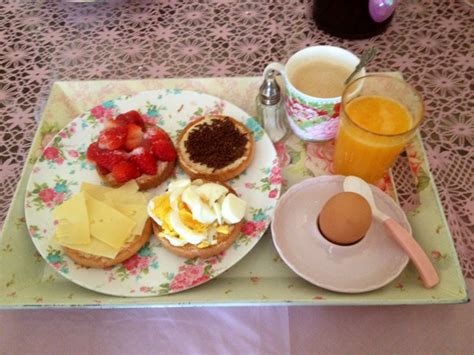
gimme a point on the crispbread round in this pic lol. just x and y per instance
(128, 250)
(199, 171)
(191, 251)
(144, 182)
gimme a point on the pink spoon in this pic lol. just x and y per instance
(425, 268)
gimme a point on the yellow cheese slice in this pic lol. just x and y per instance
(96, 191)
(103, 218)
(126, 194)
(72, 220)
(95, 247)
(107, 224)
(128, 188)
(136, 212)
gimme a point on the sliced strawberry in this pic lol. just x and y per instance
(145, 161)
(129, 117)
(146, 145)
(134, 136)
(102, 170)
(164, 150)
(112, 138)
(111, 123)
(92, 151)
(156, 134)
(135, 117)
(120, 120)
(109, 158)
(125, 171)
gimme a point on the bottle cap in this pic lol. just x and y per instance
(269, 90)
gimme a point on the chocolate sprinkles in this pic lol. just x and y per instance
(216, 144)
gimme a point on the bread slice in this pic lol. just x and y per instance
(199, 170)
(224, 241)
(144, 182)
(128, 250)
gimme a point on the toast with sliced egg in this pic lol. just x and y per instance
(197, 218)
(215, 147)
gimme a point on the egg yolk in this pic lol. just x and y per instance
(187, 218)
(162, 210)
(224, 229)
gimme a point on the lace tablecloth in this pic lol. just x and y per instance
(429, 42)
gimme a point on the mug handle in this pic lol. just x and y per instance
(278, 67)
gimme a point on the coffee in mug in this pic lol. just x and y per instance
(314, 81)
(320, 78)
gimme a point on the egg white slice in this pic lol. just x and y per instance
(211, 191)
(178, 184)
(177, 242)
(150, 209)
(201, 211)
(233, 209)
(216, 207)
(186, 233)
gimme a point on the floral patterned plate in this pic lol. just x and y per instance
(62, 168)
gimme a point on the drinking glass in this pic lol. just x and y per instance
(363, 151)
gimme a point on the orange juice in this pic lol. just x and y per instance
(373, 135)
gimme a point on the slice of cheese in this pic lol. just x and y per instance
(126, 189)
(95, 247)
(137, 212)
(73, 221)
(129, 201)
(107, 224)
(99, 220)
(96, 191)
(126, 194)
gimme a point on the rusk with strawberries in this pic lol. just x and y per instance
(129, 148)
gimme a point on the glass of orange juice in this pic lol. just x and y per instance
(379, 115)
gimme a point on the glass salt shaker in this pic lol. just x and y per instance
(270, 110)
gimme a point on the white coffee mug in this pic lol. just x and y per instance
(313, 118)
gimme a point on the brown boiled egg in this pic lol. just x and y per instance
(345, 218)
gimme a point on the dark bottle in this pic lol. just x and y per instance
(353, 19)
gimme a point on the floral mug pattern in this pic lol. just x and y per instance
(313, 118)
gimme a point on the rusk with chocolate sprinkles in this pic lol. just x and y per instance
(215, 147)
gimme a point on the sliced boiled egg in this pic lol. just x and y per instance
(216, 207)
(159, 209)
(200, 210)
(194, 212)
(187, 233)
(175, 241)
(211, 191)
(233, 209)
(175, 189)
(189, 221)
(173, 185)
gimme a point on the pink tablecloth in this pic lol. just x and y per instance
(429, 42)
(242, 330)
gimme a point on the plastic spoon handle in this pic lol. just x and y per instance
(425, 268)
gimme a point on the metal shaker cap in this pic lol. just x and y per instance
(269, 90)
